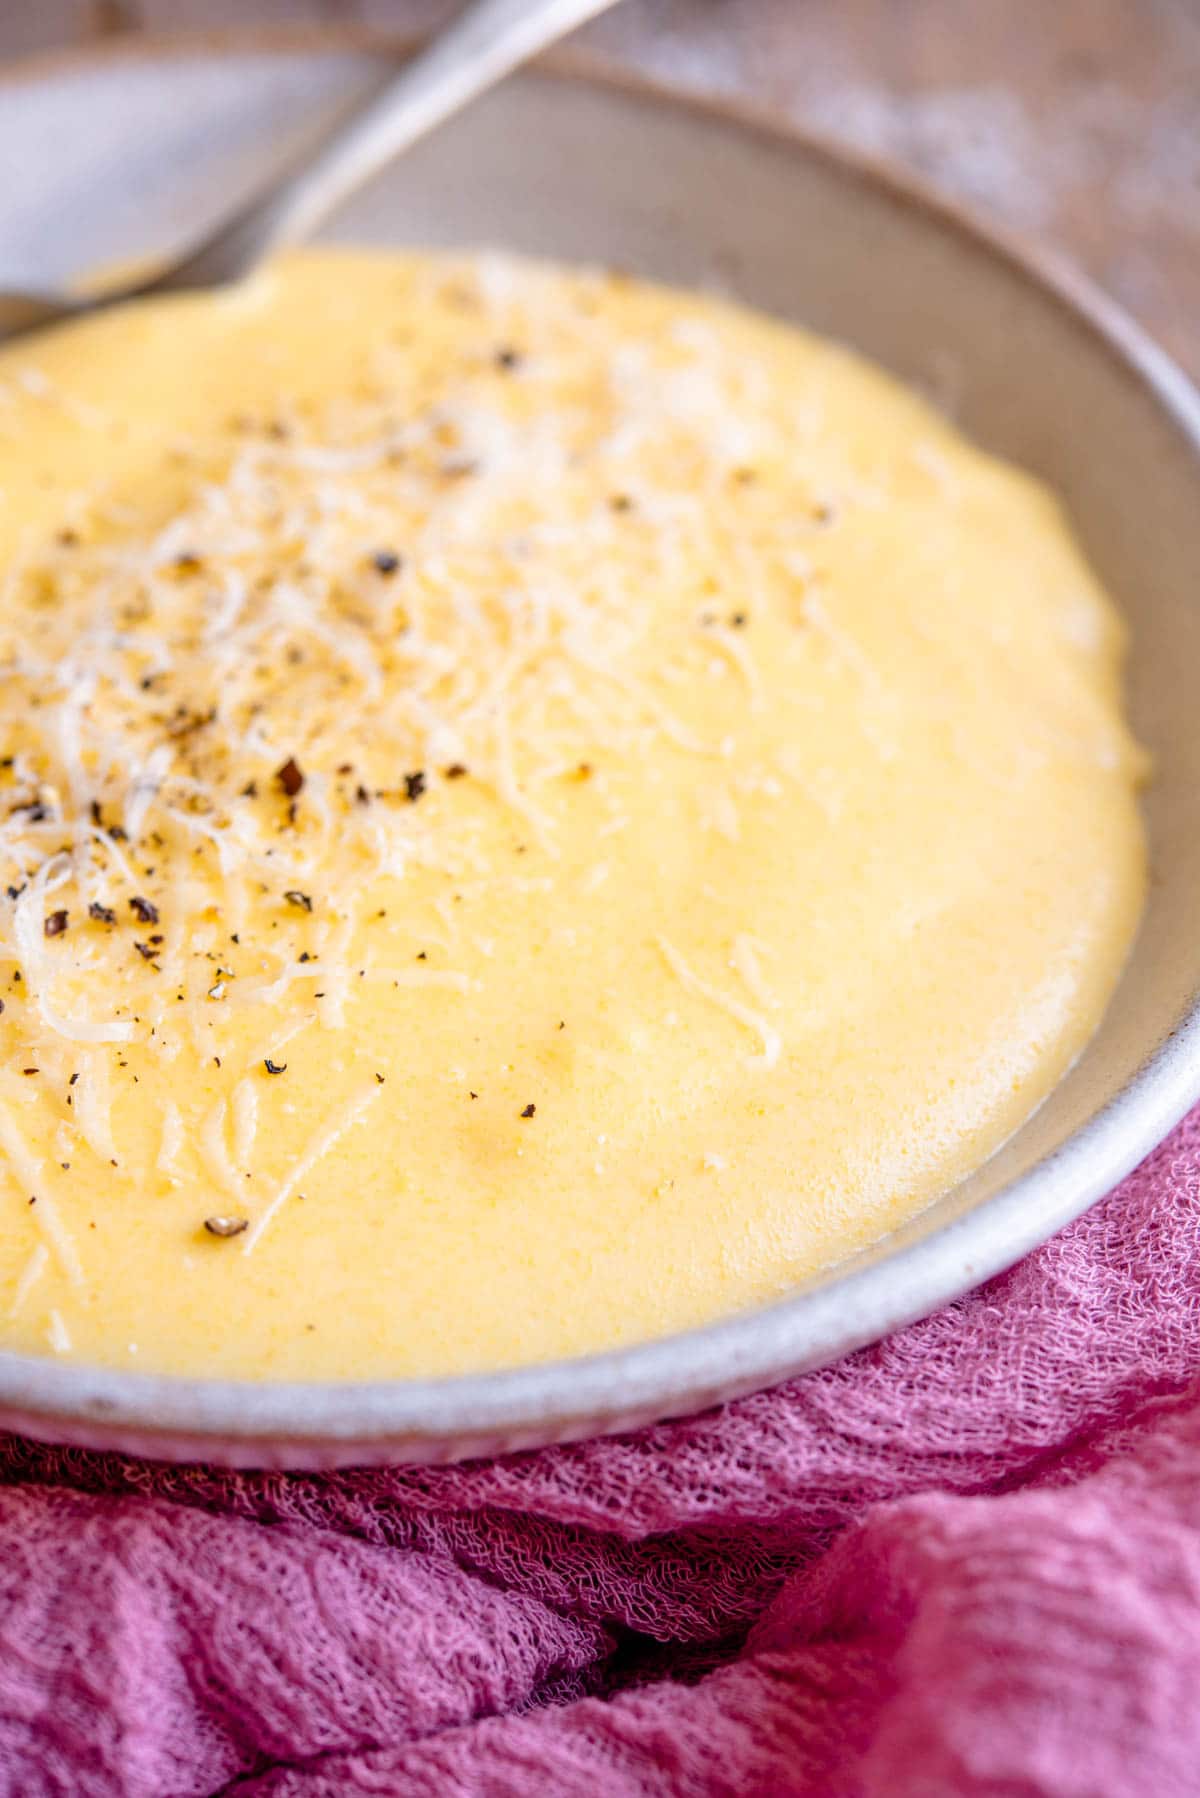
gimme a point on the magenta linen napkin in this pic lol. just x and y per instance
(965, 1561)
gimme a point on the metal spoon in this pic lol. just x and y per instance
(483, 44)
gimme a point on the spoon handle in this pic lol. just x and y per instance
(483, 44)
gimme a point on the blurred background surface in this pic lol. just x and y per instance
(1074, 122)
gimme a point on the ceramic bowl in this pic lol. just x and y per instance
(107, 157)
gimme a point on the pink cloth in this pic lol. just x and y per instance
(965, 1561)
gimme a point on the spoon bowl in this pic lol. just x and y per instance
(485, 42)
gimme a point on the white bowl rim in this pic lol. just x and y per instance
(325, 1423)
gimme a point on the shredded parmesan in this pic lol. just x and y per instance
(216, 1153)
(245, 1122)
(187, 656)
(319, 1147)
(753, 1020)
(93, 1106)
(31, 1273)
(31, 1172)
(736, 651)
(744, 959)
(172, 1141)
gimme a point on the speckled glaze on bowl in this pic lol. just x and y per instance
(109, 156)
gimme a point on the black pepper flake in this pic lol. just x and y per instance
(186, 724)
(145, 951)
(361, 795)
(31, 1070)
(456, 771)
(621, 502)
(386, 562)
(188, 562)
(379, 1077)
(55, 923)
(72, 1080)
(421, 955)
(274, 1067)
(529, 1111)
(508, 359)
(226, 1226)
(738, 621)
(143, 910)
(101, 914)
(414, 785)
(305, 955)
(290, 778)
(250, 790)
(474, 1095)
(295, 897)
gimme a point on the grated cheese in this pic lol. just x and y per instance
(245, 1122)
(31, 1273)
(162, 697)
(772, 1042)
(318, 1148)
(215, 1151)
(31, 1172)
(172, 1141)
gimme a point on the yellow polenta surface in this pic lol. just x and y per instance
(658, 797)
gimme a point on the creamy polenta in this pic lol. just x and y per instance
(535, 811)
